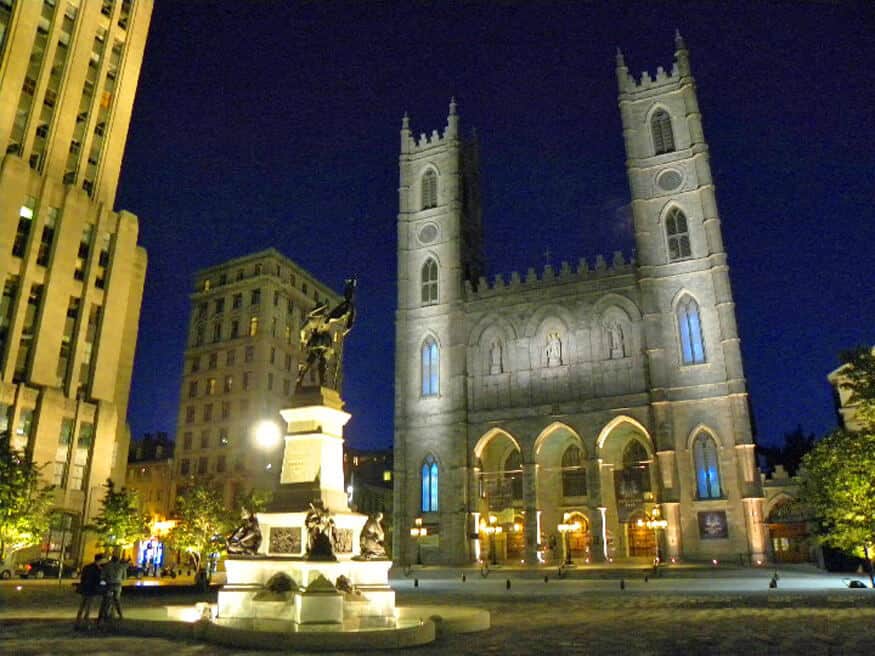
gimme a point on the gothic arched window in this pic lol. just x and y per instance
(678, 235)
(513, 474)
(429, 484)
(429, 189)
(660, 128)
(690, 329)
(429, 282)
(707, 467)
(573, 473)
(430, 367)
(636, 467)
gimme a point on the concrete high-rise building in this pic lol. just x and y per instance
(240, 368)
(71, 272)
(601, 408)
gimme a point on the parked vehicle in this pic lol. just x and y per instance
(45, 568)
(7, 569)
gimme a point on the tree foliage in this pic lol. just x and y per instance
(837, 479)
(25, 503)
(203, 522)
(120, 523)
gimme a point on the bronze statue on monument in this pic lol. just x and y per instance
(322, 336)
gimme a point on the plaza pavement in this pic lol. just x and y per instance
(692, 611)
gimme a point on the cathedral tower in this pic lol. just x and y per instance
(439, 249)
(690, 334)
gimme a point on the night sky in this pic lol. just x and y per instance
(262, 124)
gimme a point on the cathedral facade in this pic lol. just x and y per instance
(594, 412)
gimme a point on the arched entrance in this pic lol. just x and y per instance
(580, 541)
(788, 532)
(641, 539)
(499, 475)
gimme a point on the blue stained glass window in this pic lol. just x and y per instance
(707, 468)
(430, 368)
(429, 485)
(690, 327)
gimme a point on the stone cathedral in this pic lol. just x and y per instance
(596, 412)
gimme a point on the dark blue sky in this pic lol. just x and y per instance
(276, 124)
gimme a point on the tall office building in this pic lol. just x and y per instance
(71, 272)
(240, 368)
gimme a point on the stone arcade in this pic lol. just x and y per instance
(610, 400)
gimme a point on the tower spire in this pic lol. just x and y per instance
(679, 40)
(622, 71)
(452, 120)
(681, 55)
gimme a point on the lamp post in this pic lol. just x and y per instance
(565, 528)
(418, 531)
(655, 522)
(491, 530)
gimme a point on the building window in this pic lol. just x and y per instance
(707, 467)
(226, 409)
(429, 189)
(573, 472)
(249, 354)
(430, 367)
(223, 437)
(270, 382)
(205, 439)
(253, 326)
(208, 412)
(690, 332)
(247, 376)
(220, 305)
(678, 235)
(185, 467)
(660, 128)
(255, 298)
(636, 468)
(25, 221)
(429, 282)
(429, 484)
(230, 357)
(213, 361)
(235, 329)
(192, 389)
(217, 331)
(236, 301)
(211, 386)
(228, 384)
(186, 441)
(189, 414)
(202, 463)
(220, 464)
(513, 474)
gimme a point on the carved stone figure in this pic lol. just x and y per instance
(321, 533)
(553, 350)
(616, 347)
(495, 359)
(372, 539)
(246, 539)
(322, 336)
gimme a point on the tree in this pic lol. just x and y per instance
(25, 503)
(203, 522)
(120, 523)
(837, 480)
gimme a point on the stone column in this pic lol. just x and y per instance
(756, 530)
(671, 512)
(530, 501)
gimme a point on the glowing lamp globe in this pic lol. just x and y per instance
(267, 434)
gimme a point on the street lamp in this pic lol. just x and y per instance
(654, 522)
(491, 530)
(417, 532)
(565, 528)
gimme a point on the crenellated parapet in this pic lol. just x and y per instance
(680, 69)
(411, 144)
(548, 276)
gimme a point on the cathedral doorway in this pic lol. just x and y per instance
(499, 477)
(788, 533)
(580, 541)
(641, 540)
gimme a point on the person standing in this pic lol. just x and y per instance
(90, 587)
(114, 574)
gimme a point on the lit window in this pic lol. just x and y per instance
(707, 468)
(430, 367)
(513, 474)
(253, 326)
(429, 282)
(387, 475)
(429, 484)
(429, 189)
(690, 329)
(678, 235)
(660, 128)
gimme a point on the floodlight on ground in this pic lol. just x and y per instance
(267, 434)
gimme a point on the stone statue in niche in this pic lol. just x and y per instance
(246, 539)
(321, 532)
(371, 541)
(616, 345)
(553, 350)
(495, 358)
(322, 336)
